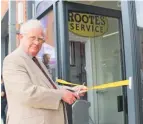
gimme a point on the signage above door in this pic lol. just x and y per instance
(87, 25)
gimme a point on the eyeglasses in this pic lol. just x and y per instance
(39, 39)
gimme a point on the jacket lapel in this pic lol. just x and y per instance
(36, 69)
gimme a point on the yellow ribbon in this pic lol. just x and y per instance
(98, 87)
(65, 82)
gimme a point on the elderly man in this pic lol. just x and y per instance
(33, 98)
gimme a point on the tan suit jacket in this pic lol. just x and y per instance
(31, 97)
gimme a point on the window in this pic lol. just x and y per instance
(139, 10)
(47, 52)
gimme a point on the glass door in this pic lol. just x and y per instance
(104, 67)
(95, 58)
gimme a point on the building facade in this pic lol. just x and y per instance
(4, 29)
(13, 14)
(97, 42)
(93, 42)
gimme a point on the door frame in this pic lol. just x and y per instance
(63, 8)
(133, 62)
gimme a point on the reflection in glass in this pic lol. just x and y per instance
(48, 47)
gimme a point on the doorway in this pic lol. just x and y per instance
(98, 61)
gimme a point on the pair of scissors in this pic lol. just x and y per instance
(80, 89)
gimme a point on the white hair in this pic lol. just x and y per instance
(30, 24)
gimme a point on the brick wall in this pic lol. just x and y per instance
(4, 7)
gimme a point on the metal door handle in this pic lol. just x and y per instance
(120, 103)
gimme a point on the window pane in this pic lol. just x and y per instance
(97, 60)
(47, 52)
(139, 10)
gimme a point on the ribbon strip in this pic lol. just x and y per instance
(98, 87)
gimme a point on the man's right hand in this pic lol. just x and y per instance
(69, 97)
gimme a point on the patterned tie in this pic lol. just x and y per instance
(38, 64)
